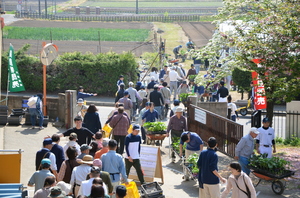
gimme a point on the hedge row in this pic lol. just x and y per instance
(97, 73)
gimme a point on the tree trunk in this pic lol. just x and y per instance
(270, 110)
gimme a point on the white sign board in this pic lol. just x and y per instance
(150, 162)
(200, 116)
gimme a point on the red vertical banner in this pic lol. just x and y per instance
(260, 100)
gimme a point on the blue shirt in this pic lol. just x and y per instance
(150, 116)
(151, 85)
(207, 163)
(162, 73)
(194, 143)
(113, 163)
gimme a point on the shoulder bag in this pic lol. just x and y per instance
(248, 193)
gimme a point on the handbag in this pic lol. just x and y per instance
(248, 193)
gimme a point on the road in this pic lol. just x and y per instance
(30, 140)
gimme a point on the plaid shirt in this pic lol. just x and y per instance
(120, 124)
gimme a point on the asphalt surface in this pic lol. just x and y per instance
(30, 140)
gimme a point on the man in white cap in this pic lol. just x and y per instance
(266, 139)
(176, 126)
(174, 77)
(244, 149)
(80, 108)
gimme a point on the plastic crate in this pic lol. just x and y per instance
(152, 190)
(18, 112)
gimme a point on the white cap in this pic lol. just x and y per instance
(179, 109)
(254, 130)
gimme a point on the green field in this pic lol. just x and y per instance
(131, 4)
(73, 34)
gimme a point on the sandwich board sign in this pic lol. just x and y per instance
(150, 159)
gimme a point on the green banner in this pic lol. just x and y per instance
(15, 82)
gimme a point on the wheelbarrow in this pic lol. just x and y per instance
(278, 181)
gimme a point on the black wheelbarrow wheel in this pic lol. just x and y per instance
(243, 112)
(277, 187)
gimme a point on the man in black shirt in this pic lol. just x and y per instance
(222, 92)
(158, 100)
(84, 135)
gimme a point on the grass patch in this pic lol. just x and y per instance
(72, 34)
(132, 4)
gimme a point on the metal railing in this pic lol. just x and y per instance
(208, 124)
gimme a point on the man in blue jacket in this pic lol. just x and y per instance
(209, 178)
(82, 94)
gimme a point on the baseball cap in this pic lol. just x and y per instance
(96, 169)
(121, 76)
(142, 87)
(85, 147)
(266, 119)
(254, 130)
(148, 104)
(126, 93)
(176, 63)
(46, 161)
(56, 191)
(222, 82)
(121, 191)
(130, 83)
(176, 102)
(73, 136)
(80, 100)
(47, 141)
(136, 127)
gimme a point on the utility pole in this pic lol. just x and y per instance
(46, 9)
(40, 8)
(137, 7)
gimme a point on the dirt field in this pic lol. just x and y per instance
(199, 32)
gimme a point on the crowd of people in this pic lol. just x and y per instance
(89, 165)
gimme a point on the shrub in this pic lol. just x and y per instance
(279, 140)
(97, 73)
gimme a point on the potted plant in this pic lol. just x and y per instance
(273, 167)
(192, 164)
(183, 97)
(155, 127)
(183, 54)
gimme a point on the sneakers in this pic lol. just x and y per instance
(32, 127)
(41, 127)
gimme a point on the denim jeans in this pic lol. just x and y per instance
(33, 114)
(244, 162)
(159, 111)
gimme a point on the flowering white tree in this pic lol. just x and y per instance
(268, 30)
